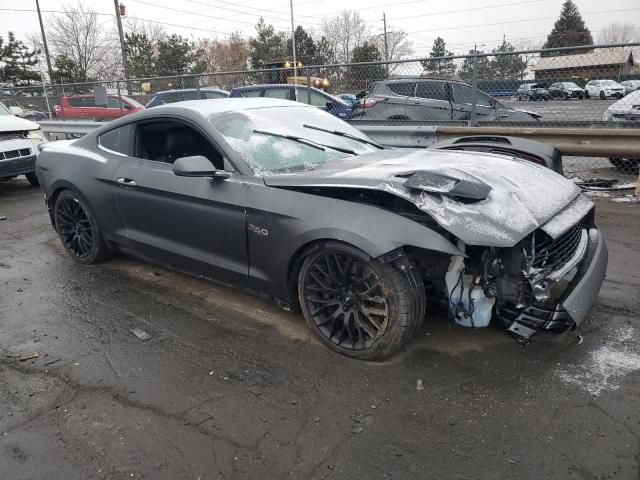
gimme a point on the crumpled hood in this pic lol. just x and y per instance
(523, 195)
(11, 123)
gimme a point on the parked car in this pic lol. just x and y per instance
(626, 109)
(350, 98)
(20, 140)
(315, 214)
(433, 100)
(604, 89)
(630, 86)
(532, 92)
(172, 96)
(84, 107)
(309, 95)
(566, 91)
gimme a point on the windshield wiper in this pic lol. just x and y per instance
(306, 141)
(346, 135)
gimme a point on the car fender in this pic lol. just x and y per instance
(297, 220)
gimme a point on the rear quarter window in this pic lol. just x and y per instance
(75, 101)
(118, 140)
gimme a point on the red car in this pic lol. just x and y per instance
(84, 107)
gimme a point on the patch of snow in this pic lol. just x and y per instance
(605, 367)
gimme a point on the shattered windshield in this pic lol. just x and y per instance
(278, 139)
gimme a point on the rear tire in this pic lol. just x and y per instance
(358, 306)
(626, 165)
(78, 229)
(33, 179)
(602, 95)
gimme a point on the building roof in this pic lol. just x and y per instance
(593, 59)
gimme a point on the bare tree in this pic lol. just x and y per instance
(227, 55)
(78, 40)
(153, 31)
(344, 32)
(619, 33)
(398, 45)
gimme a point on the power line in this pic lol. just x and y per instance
(468, 9)
(518, 21)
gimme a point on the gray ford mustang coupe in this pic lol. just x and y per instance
(283, 199)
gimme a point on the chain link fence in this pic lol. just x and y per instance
(594, 87)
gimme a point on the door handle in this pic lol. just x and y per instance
(504, 116)
(127, 182)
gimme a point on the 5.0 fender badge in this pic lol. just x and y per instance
(258, 230)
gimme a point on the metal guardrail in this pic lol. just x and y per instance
(590, 142)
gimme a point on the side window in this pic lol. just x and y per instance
(89, 102)
(75, 101)
(167, 140)
(115, 103)
(312, 98)
(210, 94)
(281, 93)
(464, 94)
(432, 90)
(251, 93)
(118, 140)
(405, 89)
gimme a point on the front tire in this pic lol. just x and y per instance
(78, 229)
(602, 95)
(358, 306)
(33, 179)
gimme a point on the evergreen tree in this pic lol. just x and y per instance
(440, 68)
(19, 62)
(568, 31)
(176, 56)
(305, 46)
(139, 54)
(504, 67)
(359, 77)
(268, 46)
(466, 69)
(66, 70)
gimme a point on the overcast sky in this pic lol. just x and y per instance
(461, 23)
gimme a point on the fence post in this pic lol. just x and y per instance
(308, 86)
(474, 90)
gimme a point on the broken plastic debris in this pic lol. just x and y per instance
(30, 357)
(141, 334)
(419, 385)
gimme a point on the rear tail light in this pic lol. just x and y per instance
(371, 101)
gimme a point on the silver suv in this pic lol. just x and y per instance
(433, 100)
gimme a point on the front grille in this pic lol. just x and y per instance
(550, 254)
(23, 152)
(11, 136)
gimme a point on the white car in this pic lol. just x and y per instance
(20, 140)
(604, 89)
(630, 86)
(626, 109)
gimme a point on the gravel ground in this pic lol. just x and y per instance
(229, 386)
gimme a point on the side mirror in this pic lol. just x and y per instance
(197, 166)
(329, 105)
(128, 107)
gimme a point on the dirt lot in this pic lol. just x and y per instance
(229, 386)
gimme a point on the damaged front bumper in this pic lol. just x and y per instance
(570, 309)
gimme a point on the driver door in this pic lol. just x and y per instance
(194, 224)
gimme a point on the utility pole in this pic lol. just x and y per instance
(122, 44)
(293, 48)
(386, 44)
(44, 43)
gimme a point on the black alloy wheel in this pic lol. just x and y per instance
(346, 300)
(602, 95)
(359, 306)
(77, 229)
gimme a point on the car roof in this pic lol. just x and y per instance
(207, 108)
(178, 90)
(268, 86)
